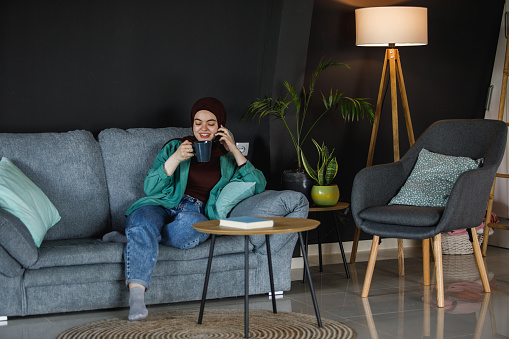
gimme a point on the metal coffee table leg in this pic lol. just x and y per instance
(310, 281)
(336, 224)
(207, 275)
(271, 275)
(246, 286)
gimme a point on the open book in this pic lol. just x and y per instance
(246, 223)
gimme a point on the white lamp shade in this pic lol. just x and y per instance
(381, 26)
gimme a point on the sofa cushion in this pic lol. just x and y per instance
(17, 240)
(231, 195)
(76, 252)
(21, 197)
(128, 155)
(68, 168)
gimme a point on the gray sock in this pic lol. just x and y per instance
(138, 310)
(115, 237)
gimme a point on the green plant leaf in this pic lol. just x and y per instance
(307, 167)
(349, 108)
(332, 170)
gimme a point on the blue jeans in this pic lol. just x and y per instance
(148, 226)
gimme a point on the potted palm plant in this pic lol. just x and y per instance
(349, 108)
(323, 192)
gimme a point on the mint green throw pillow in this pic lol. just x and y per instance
(231, 195)
(432, 178)
(21, 197)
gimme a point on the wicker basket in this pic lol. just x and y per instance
(458, 244)
(460, 268)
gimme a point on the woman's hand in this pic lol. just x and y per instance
(225, 138)
(227, 141)
(184, 152)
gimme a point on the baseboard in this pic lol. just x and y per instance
(332, 255)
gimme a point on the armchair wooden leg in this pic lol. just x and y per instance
(371, 266)
(480, 261)
(437, 251)
(425, 261)
(401, 258)
(356, 237)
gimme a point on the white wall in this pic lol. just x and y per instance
(500, 202)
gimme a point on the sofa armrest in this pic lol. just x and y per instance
(16, 240)
(271, 203)
(8, 266)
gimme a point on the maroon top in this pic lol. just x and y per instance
(203, 176)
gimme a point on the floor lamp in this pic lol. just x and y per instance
(391, 27)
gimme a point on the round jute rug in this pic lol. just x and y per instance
(216, 324)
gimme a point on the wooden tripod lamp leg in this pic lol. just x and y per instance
(391, 71)
(394, 104)
(404, 100)
(488, 219)
(393, 57)
(378, 110)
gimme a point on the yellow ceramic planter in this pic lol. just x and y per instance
(325, 195)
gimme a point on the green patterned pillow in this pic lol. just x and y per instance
(432, 178)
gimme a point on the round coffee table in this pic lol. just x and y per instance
(281, 225)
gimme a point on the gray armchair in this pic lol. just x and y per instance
(375, 186)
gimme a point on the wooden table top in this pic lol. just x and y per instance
(281, 225)
(339, 206)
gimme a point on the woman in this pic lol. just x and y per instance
(181, 192)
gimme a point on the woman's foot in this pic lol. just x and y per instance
(115, 236)
(137, 310)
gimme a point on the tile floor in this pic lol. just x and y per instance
(396, 308)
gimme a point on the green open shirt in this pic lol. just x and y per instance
(166, 191)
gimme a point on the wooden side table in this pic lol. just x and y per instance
(321, 209)
(281, 225)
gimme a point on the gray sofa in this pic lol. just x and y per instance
(92, 181)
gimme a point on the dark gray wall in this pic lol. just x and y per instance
(92, 65)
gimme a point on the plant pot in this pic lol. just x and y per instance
(297, 181)
(325, 195)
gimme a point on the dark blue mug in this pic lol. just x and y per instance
(202, 150)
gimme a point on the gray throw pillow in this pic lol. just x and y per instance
(432, 179)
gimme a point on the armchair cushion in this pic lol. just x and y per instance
(432, 179)
(403, 215)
